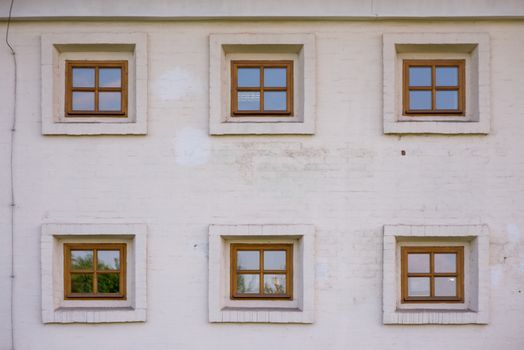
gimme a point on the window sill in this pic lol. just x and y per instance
(441, 316)
(433, 125)
(97, 315)
(264, 315)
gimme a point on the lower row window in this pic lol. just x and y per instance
(261, 271)
(432, 274)
(95, 271)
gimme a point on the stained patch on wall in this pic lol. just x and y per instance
(513, 233)
(191, 147)
(497, 272)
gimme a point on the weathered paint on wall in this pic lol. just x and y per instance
(349, 179)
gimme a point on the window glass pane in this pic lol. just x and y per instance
(248, 77)
(418, 287)
(275, 101)
(248, 260)
(83, 101)
(248, 101)
(248, 284)
(108, 259)
(275, 260)
(447, 99)
(108, 282)
(419, 76)
(109, 77)
(81, 260)
(109, 101)
(445, 262)
(275, 77)
(81, 283)
(83, 77)
(418, 263)
(445, 286)
(419, 100)
(274, 284)
(447, 76)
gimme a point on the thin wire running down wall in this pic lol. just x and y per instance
(11, 159)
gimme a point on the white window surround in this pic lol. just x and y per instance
(297, 47)
(57, 310)
(473, 47)
(56, 48)
(299, 310)
(474, 310)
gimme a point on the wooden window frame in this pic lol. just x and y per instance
(458, 274)
(433, 64)
(288, 64)
(68, 247)
(235, 247)
(69, 89)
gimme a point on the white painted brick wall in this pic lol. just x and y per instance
(349, 179)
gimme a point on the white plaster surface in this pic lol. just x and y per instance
(349, 179)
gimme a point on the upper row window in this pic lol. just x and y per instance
(262, 88)
(434, 87)
(96, 89)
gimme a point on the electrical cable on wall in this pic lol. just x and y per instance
(13, 129)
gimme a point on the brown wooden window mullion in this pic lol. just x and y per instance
(432, 275)
(262, 107)
(433, 88)
(95, 265)
(96, 90)
(261, 278)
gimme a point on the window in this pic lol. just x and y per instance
(434, 87)
(436, 83)
(261, 88)
(95, 271)
(96, 88)
(436, 274)
(94, 83)
(432, 274)
(262, 271)
(262, 84)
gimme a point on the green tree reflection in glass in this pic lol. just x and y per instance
(108, 283)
